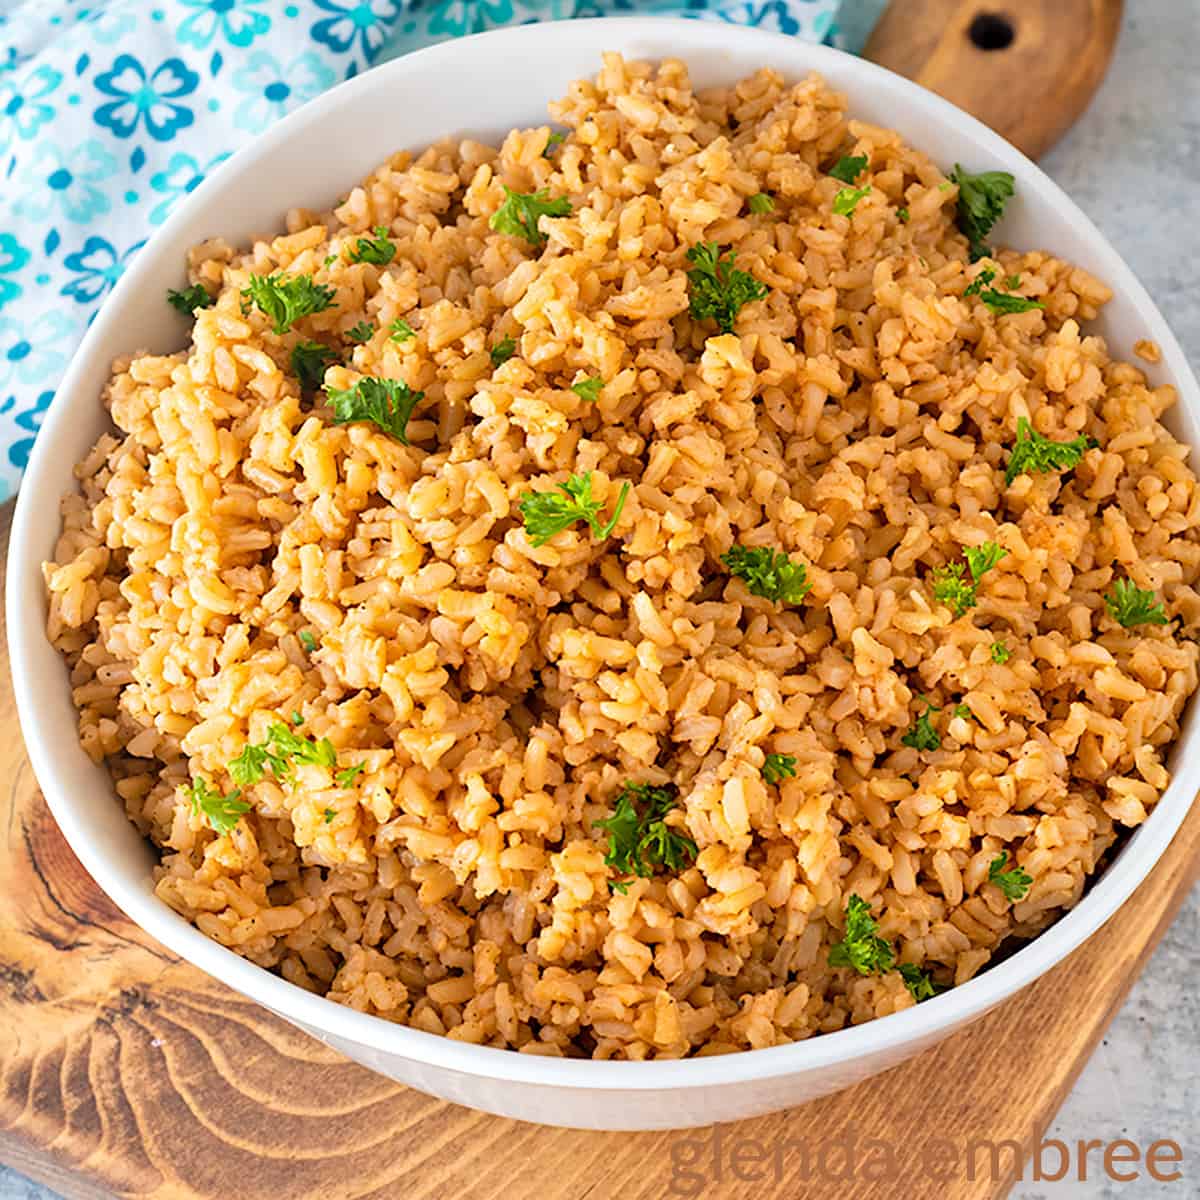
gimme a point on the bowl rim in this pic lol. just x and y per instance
(324, 1018)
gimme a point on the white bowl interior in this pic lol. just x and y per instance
(482, 87)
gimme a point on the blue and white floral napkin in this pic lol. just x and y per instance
(112, 110)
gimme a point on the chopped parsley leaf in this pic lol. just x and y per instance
(307, 641)
(378, 250)
(981, 201)
(951, 588)
(922, 735)
(997, 301)
(555, 140)
(919, 983)
(502, 351)
(779, 767)
(548, 513)
(849, 167)
(221, 812)
(1000, 653)
(961, 710)
(389, 403)
(1131, 605)
(639, 839)
(362, 332)
(284, 299)
(902, 215)
(309, 360)
(347, 775)
(846, 201)
(861, 947)
(328, 816)
(190, 299)
(982, 558)
(768, 573)
(588, 389)
(1032, 452)
(518, 216)
(717, 288)
(1014, 884)
(760, 203)
(401, 331)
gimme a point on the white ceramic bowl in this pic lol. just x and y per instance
(484, 85)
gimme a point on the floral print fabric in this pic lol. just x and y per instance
(111, 111)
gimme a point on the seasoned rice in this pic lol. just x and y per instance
(859, 418)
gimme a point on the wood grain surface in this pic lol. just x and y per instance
(1030, 88)
(126, 1072)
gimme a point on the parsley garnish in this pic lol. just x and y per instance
(309, 360)
(1034, 453)
(951, 588)
(861, 946)
(389, 403)
(401, 331)
(1000, 653)
(221, 812)
(768, 573)
(982, 558)
(283, 748)
(761, 203)
(377, 250)
(902, 215)
(922, 735)
(520, 212)
(548, 513)
(718, 289)
(190, 299)
(307, 641)
(328, 816)
(849, 167)
(284, 299)
(1014, 884)
(361, 332)
(554, 140)
(639, 839)
(502, 351)
(588, 389)
(999, 302)
(846, 201)
(981, 201)
(347, 775)
(919, 983)
(1130, 605)
(779, 767)
(961, 710)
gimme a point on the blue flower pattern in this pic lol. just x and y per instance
(113, 111)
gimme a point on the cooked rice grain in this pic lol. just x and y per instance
(499, 695)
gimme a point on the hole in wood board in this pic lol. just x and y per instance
(991, 31)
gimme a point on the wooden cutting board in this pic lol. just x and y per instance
(125, 1072)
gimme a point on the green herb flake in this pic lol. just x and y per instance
(760, 204)
(1014, 884)
(328, 816)
(919, 983)
(849, 167)
(588, 389)
(982, 558)
(378, 250)
(362, 332)
(388, 403)
(902, 216)
(555, 140)
(502, 351)
(861, 947)
(548, 513)
(981, 202)
(846, 201)
(1000, 653)
(639, 839)
(400, 331)
(768, 573)
(717, 288)
(1032, 453)
(221, 812)
(190, 299)
(951, 588)
(347, 775)
(997, 301)
(284, 299)
(922, 735)
(307, 641)
(309, 360)
(518, 216)
(963, 711)
(1131, 605)
(779, 767)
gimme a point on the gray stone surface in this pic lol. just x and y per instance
(1133, 164)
